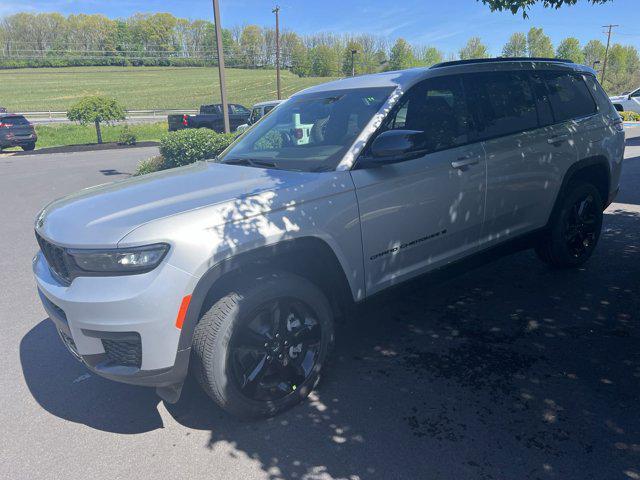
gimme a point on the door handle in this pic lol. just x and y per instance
(557, 139)
(465, 162)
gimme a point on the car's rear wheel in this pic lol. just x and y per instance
(259, 349)
(575, 229)
(28, 147)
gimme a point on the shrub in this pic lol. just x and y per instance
(127, 137)
(153, 164)
(630, 116)
(191, 145)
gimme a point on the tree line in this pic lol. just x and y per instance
(51, 39)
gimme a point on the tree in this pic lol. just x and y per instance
(523, 6)
(594, 52)
(539, 44)
(401, 55)
(251, 42)
(570, 49)
(325, 61)
(516, 46)
(96, 109)
(474, 49)
(428, 56)
(623, 67)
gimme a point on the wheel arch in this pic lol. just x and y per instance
(309, 257)
(595, 170)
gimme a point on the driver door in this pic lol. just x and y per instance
(423, 213)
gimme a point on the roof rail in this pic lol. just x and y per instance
(500, 59)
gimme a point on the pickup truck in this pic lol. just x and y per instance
(210, 116)
(627, 102)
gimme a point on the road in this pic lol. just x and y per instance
(510, 371)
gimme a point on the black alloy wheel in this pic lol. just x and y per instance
(276, 351)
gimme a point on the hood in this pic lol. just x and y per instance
(101, 216)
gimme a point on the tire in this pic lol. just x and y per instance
(28, 147)
(219, 354)
(575, 229)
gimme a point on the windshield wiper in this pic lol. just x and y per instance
(250, 162)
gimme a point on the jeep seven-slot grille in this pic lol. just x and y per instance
(57, 259)
(123, 352)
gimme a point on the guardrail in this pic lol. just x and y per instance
(52, 116)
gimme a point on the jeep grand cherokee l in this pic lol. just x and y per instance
(235, 268)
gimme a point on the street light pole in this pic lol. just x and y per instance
(277, 12)
(223, 86)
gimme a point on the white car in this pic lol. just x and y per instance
(629, 102)
(258, 111)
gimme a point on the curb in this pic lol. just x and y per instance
(80, 148)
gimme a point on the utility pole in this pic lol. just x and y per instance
(223, 86)
(353, 62)
(606, 53)
(277, 12)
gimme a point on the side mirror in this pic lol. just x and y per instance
(394, 146)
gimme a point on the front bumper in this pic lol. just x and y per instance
(122, 328)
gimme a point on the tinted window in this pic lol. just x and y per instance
(636, 94)
(505, 103)
(569, 95)
(268, 108)
(438, 108)
(14, 120)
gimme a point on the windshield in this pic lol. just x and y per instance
(308, 132)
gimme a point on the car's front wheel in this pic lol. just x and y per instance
(260, 349)
(575, 229)
(28, 147)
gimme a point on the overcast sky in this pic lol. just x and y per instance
(444, 24)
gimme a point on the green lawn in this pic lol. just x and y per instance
(59, 135)
(140, 88)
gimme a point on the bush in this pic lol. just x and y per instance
(630, 116)
(153, 164)
(191, 145)
(127, 137)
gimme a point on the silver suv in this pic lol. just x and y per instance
(235, 268)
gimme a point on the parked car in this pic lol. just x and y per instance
(210, 116)
(3, 110)
(16, 131)
(628, 102)
(258, 111)
(241, 264)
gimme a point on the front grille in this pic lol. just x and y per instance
(57, 258)
(123, 352)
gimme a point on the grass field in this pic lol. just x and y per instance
(140, 88)
(59, 135)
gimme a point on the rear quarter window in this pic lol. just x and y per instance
(569, 96)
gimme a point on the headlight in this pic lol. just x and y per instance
(119, 261)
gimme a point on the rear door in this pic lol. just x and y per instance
(525, 152)
(422, 213)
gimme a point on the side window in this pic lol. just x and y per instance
(569, 95)
(505, 103)
(255, 115)
(636, 94)
(436, 107)
(268, 108)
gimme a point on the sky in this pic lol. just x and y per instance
(445, 24)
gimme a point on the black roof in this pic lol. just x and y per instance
(500, 59)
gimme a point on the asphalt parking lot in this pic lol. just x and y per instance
(510, 371)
